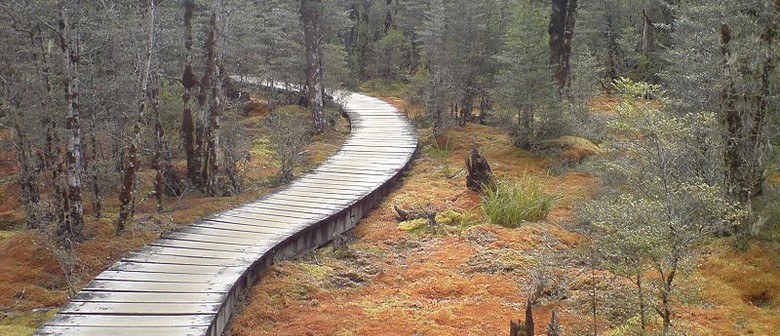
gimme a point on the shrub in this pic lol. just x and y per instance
(510, 204)
(288, 135)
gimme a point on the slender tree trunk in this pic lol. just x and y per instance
(612, 50)
(311, 16)
(71, 229)
(97, 200)
(561, 30)
(28, 177)
(189, 81)
(213, 155)
(641, 294)
(529, 318)
(130, 176)
(647, 33)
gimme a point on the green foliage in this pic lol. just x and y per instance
(287, 137)
(511, 204)
(390, 60)
(663, 197)
(528, 101)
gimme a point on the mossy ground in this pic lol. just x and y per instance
(474, 281)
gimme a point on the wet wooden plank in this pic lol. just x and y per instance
(122, 331)
(233, 242)
(163, 287)
(218, 232)
(147, 298)
(86, 320)
(179, 260)
(167, 268)
(278, 223)
(265, 206)
(160, 277)
(139, 309)
(317, 194)
(206, 245)
(183, 251)
(249, 212)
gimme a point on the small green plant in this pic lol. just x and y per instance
(511, 204)
(442, 153)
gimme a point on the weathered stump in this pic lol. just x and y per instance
(480, 176)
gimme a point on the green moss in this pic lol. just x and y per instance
(450, 217)
(16, 330)
(413, 225)
(319, 272)
(7, 234)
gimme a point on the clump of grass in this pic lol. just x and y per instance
(510, 204)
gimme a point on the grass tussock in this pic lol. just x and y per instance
(511, 204)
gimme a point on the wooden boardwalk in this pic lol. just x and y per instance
(189, 281)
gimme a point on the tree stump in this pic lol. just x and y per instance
(480, 176)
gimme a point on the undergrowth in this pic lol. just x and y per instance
(511, 204)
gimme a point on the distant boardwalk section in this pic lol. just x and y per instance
(189, 281)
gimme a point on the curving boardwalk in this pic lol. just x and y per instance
(189, 281)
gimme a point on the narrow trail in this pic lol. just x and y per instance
(190, 281)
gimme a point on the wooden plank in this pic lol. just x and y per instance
(265, 206)
(367, 172)
(217, 232)
(193, 252)
(163, 287)
(337, 205)
(239, 227)
(317, 194)
(310, 204)
(141, 297)
(176, 269)
(233, 242)
(179, 260)
(254, 213)
(206, 246)
(122, 331)
(346, 185)
(139, 309)
(85, 320)
(269, 221)
(327, 192)
(160, 277)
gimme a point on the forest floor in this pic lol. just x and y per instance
(474, 279)
(33, 281)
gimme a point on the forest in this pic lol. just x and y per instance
(620, 174)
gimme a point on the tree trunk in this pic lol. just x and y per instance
(71, 228)
(554, 328)
(612, 51)
(560, 30)
(641, 294)
(130, 176)
(213, 153)
(480, 176)
(647, 32)
(311, 16)
(28, 177)
(97, 200)
(529, 318)
(189, 81)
